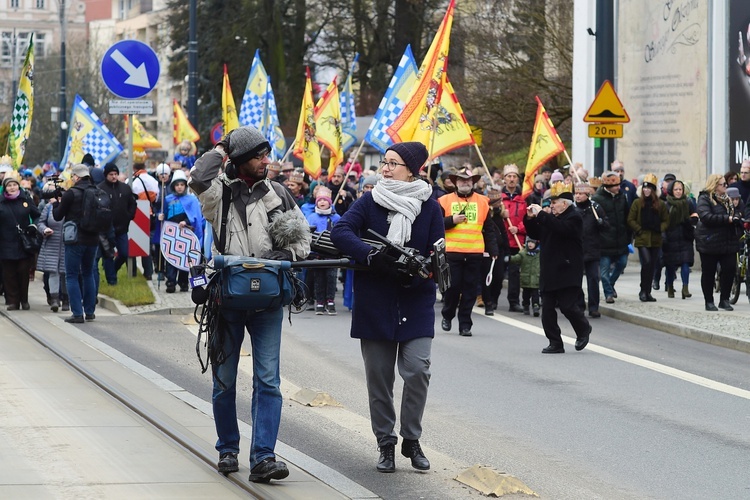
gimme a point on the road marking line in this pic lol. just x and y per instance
(627, 358)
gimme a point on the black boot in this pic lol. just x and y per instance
(54, 302)
(387, 460)
(268, 469)
(411, 449)
(228, 463)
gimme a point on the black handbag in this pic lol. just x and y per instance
(31, 240)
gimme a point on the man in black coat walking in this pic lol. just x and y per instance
(123, 208)
(561, 266)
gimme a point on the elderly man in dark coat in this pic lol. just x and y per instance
(394, 315)
(561, 263)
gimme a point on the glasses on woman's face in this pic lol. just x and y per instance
(723, 184)
(391, 164)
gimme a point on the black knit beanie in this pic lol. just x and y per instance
(110, 167)
(245, 143)
(88, 160)
(414, 155)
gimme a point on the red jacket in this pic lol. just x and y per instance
(516, 207)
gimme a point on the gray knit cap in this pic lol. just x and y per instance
(370, 180)
(245, 143)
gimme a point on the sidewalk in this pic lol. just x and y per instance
(687, 318)
(80, 420)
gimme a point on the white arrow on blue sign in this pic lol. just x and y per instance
(130, 69)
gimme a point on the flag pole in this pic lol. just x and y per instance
(572, 167)
(484, 164)
(286, 155)
(346, 175)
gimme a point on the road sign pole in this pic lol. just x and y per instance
(605, 70)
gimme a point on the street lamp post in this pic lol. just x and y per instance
(63, 104)
(193, 65)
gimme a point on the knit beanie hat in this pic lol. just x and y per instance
(8, 180)
(557, 176)
(88, 160)
(245, 143)
(110, 167)
(370, 180)
(414, 155)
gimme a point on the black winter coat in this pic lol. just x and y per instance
(70, 207)
(19, 210)
(561, 248)
(714, 235)
(677, 245)
(592, 229)
(123, 205)
(616, 237)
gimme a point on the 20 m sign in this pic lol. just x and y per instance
(605, 130)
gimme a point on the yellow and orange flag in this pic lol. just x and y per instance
(328, 124)
(545, 145)
(416, 122)
(183, 129)
(451, 131)
(141, 138)
(228, 108)
(306, 146)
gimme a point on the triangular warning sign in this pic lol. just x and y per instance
(607, 107)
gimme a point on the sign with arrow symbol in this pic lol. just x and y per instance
(130, 69)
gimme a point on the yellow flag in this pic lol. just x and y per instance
(452, 130)
(545, 144)
(328, 124)
(306, 146)
(416, 120)
(141, 138)
(228, 108)
(183, 129)
(20, 123)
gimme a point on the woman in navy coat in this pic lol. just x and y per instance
(393, 314)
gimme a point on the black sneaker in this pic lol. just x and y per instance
(268, 469)
(74, 319)
(228, 463)
(320, 309)
(90, 317)
(331, 309)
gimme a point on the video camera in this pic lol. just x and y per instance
(57, 192)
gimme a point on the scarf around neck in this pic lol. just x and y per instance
(404, 202)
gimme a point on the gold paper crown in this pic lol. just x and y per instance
(595, 182)
(6, 160)
(139, 156)
(558, 189)
(650, 179)
(297, 177)
(323, 191)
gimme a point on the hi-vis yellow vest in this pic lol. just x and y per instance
(465, 237)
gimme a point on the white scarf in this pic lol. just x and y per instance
(404, 201)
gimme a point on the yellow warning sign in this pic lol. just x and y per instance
(607, 107)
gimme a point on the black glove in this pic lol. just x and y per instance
(384, 264)
(737, 221)
(224, 142)
(277, 255)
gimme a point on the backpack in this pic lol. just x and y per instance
(96, 216)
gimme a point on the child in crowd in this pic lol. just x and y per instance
(528, 258)
(322, 219)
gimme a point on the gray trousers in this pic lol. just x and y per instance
(413, 358)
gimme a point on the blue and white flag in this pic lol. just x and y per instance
(348, 114)
(87, 134)
(258, 106)
(393, 102)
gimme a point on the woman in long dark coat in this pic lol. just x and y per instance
(16, 209)
(717, 239)
(394, 315)
(677, 247)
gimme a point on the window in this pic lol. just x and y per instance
(18, 46)
(14, 4)
(3, 93)
(40, 4)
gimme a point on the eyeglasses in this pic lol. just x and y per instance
(391, 164)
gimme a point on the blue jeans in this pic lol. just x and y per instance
(609, 274)
(111, 266)
(672, 273)
(79, 261)
(265, 337)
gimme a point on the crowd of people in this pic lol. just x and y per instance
(572, 225)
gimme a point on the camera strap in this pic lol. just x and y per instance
(226, 202)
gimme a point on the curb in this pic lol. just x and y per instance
(680, 330)
(112, 305)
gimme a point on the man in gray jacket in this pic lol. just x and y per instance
(262, 221)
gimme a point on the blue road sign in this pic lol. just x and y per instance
(130, 69)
